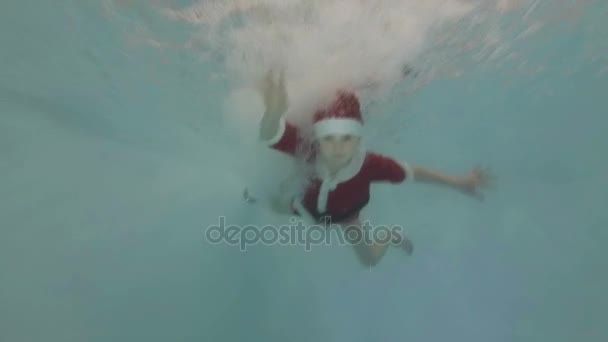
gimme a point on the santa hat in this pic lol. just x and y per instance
(342, 116)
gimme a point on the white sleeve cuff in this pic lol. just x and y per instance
(409, 171)
(280, 131)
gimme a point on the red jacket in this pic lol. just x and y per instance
(339, 200)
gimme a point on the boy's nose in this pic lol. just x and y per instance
(339, 148)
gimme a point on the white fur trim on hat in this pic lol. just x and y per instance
(337, 126)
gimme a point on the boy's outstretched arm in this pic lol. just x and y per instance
(275, 102)
(468, 183)
(269, 125)
(426, 175)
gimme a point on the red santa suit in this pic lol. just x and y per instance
(341, 198)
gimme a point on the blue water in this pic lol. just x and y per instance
(115, 157)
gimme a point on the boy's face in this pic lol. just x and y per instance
(337, 150)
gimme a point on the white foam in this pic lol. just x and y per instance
(322, 44)
(363, 45)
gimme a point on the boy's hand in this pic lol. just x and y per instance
(479, 177)
(274, 93)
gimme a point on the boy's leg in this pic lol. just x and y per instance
(369, 253)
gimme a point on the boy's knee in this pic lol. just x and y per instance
(370, 260)
(369, 255)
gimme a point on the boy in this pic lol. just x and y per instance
(342, 170)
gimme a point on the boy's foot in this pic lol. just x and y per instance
(407, 246)
(404, 243)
